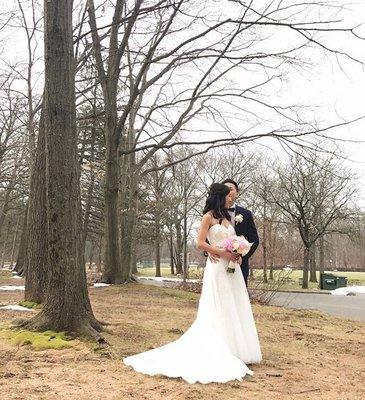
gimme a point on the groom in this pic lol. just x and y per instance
(243, 223)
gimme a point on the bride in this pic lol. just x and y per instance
(223, 338)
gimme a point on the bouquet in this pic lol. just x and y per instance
(237, 245)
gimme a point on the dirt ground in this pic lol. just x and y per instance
(307, 355)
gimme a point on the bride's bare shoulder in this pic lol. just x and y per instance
(207, 217)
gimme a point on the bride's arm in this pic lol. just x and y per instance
(201, 243)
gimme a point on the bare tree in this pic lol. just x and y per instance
(67, 305)
(314, 193)
(140, 31)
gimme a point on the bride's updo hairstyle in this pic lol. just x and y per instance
(216, 201)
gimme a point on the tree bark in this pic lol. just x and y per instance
(264, 247)
(179, 247)
(157, 248)
(36, 260)
(22, 251)
(112, 270)
(171, 248)
(312, 263)
(305, 268)
(90, 190)
(14, 242)
(129, 207)
(321, 254)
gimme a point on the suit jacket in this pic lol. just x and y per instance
(247, 229)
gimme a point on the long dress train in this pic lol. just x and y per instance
(223, 337)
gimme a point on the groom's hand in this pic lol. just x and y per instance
(213, 257)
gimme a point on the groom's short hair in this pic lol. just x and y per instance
(231, 181)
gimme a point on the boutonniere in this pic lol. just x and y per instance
(238, 218)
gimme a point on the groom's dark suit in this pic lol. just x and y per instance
(247, 229)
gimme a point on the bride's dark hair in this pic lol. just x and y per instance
(216, 201)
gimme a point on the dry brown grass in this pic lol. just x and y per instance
(307, 355)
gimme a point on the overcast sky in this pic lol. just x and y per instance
(336, 90)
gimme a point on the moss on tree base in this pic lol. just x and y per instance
(37, 340)
(30, 304)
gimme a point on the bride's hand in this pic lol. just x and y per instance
(229, 256)
(214, 258)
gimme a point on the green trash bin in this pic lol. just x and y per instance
(328, 282)
(332, 282)
(341, 281)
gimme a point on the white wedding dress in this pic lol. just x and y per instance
(223, 337)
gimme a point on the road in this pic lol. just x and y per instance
(351, 307)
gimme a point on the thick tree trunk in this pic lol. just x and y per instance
(67, 306)
(129, 208)
(36, 261)
(112, 270)
(312, 264)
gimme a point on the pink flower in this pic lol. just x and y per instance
(236, 244)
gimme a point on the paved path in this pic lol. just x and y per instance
(352, 307)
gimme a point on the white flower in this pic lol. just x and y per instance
(238, 218)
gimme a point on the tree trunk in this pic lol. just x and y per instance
(14, 242)
(129, 208)
(271, 277)
(100, 255)
(112, 270)
(273, 235)
(157, 248)
(171, 248)
(185, 243)
(312, 264)
(67, 306)
(36, 261)
(321, 254)
(179, 247)
(22, 251)
(264, 247)
(90, 190)
(134, 263)
(6, 242)
(305, 268)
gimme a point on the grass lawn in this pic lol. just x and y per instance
(291, 283)
(307, 355)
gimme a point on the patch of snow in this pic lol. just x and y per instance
(16, 308)
(160, 279)
(100, 284)
(11, 287)
(345, 291)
